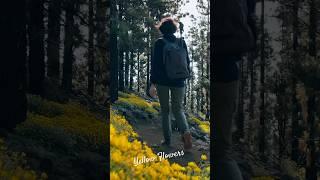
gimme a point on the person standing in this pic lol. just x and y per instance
(234, 33)
(169, 70)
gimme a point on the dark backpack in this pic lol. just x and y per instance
(175, 59)
(231, 31)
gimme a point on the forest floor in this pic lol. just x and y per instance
(67, 140)
(147, 124)
(57, 141)
(252, 166)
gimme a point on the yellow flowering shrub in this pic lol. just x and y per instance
(132, 100)
(121, 124)
(75, 120)
(13, 166)
(124, 147)
(204, 157)
(155, 105)
(203, 125)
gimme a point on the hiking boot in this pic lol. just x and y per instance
(187, 140)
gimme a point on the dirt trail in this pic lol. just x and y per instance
(151, 132)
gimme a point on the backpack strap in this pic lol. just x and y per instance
(163, 53)
(178, 41)
(166, 41)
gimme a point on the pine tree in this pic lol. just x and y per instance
(68, 56)
(113, 52)
(53, 41)
(262, 84)
(36, 46)
(102, 46)
(91, 57)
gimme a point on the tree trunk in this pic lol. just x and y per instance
(131, 70)
(102, 76)
(240, 122)
(13, 65)
(68, 47)
(91, 51)
(192, 101)
(252, 97)
(36, 47)
(294, 111)
(311, 168)
(198, 101)
(313, 28)
(202, 96)
(208, 68)
(121, 70)
(203, 71)
(114, 53)
(53, 41)
(149, 57)
(121, 7)
(127, 69)
(262, 91)
(281, 115)
(138, 78)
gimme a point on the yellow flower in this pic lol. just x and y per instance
(116, 157)
(152, 173)
(192, 165)
(204, 128)
(207, 169)
(203, 157)
(176, 167)
(121, 174)
(165, 170)
(114, 176)
(195, 178)
(135, 101)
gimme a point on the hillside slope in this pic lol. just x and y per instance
(60, 141)
(136, 133)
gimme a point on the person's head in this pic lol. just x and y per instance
(167, 25)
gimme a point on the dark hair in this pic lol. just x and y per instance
(167, 25)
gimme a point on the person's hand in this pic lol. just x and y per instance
(153, 91)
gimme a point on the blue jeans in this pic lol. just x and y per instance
(177, 98)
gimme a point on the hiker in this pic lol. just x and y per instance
(169, 70)
(234, 33)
